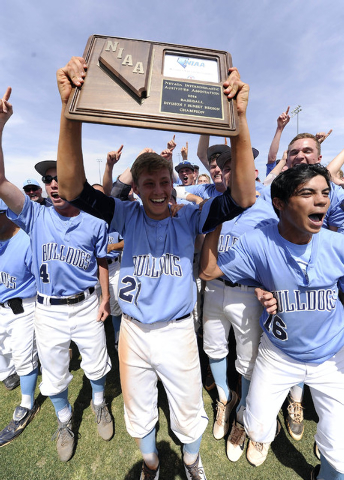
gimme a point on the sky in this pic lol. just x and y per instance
(289, 52)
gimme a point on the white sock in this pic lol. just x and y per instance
(151, 460)
(222, 396)
(190, 458)
(26, 402)
(65, 414)
(98, 398)
(296, 393)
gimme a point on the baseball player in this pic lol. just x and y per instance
(17, 306)
(156, 265)
(226, 305)
(67, 246)
(302, 264)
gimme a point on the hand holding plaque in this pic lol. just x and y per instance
(154, 85)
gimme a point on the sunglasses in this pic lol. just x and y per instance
(48, 179)
(31, 189)
(2, 211)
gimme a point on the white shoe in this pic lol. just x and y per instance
(223, 411)
(195, 471)
(236, 442)
(257, 452)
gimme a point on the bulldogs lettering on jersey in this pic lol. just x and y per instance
(148, 266)
(73, 256)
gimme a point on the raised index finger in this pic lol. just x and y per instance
(7, 94)
(287, 111)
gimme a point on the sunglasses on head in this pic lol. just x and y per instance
(33, 188)
(2, 211)
(48, 179)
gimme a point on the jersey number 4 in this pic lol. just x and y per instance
(277, 327)
(128, 294)
(43, 273)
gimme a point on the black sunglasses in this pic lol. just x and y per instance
(2, 211)
(33, 188)
(48, 179)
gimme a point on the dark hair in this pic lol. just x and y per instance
(149, 162)
(285, 184)
(300, 136)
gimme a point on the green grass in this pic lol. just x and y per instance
(32, 456)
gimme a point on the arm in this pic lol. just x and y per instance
(282, 121)
(277, 170)
(190, 197)
(115, 246)
(208, 268)
(103, 273)
(203, 145)
(111, 159)
(70, 166)
(267, 300)
(336, 164)
(243, 189)
(10, 194)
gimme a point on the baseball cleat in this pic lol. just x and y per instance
(257, 452)
(148, 474)
(236, 442)
(65, 440)
(103, 419)
(195, 471)
(221, 425)
(12, 381)
(294, 419)
(21, 418)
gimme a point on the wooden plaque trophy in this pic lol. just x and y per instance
(154, 85)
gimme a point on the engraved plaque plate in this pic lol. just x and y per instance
(154, 85)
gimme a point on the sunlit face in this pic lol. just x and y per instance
(304, 213)
(303, 150)
(202, 179)
(34, 193)
(215, 172)
(155, 191)
(52, 189)
(186, 175)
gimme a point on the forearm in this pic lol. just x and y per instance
(120, 190)
(115, 246)
(70, 167)
(107, 179)
(208, 268)
(243, 189)
(126, 177)
(273, 151)
(203, 145)
(103, 275)
(336, 164)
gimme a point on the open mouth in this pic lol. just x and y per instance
(157, 200)
(316, 218)
(55, 195)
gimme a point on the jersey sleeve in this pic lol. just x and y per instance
(238, 264)
(102, 241)
(27, 217)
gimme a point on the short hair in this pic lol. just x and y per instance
(204, 175)
(149, 162)
(306, 135)
(286, 183)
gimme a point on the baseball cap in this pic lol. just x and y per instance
(42, 167)
(184, 164)
(31, 181)
(217, 149)
(227, 155)
(3, 206)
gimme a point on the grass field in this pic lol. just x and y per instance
(32, 456)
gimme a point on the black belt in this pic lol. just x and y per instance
(228, 283)
(175, 320)
(112, 260)
(16, 305)
(79, 297)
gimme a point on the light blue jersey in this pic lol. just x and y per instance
(204, 190)
(114, 237)
(309, 324)
(16, 279)
(260, 214)
(64, 249)
(156, 279)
